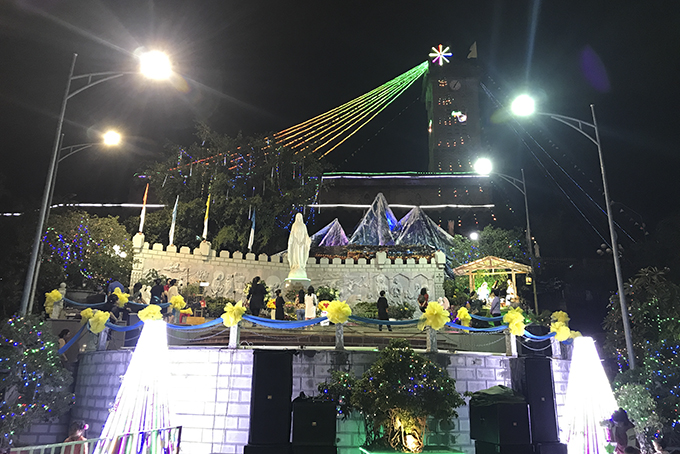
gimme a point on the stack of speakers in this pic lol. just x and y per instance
(270, 403)
(532, 377)
(314, 426)
(501, 428)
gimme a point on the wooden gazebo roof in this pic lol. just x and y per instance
(492, 264)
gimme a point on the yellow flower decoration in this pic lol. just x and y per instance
(271, 304)
(177, 302)
(98, 321)
(575, 334)
(434, 316)
(514, 318)
(561, 330)
(150, 312)
(464, 316)
(51, 298)
(561, 317)
(187, 311)
(338, 312)
(233, 313)
(122, 297)
(86, 314)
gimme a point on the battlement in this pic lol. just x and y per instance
(228, 272)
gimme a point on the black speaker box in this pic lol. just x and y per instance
(132, 336)
(527, 347)
(270, 401)
(501, 423)
(550, 448)
(272, 449)
(313, 422)
(315, 449)
(482, 447)
(532, 377)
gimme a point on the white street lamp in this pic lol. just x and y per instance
(523, 105)
(484, 166)
(90, 80)
(474, 236)
(155, 65)
(578, 125)
(109, 139)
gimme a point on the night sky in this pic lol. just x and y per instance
(260, 66)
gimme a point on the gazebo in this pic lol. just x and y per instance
(492, 265)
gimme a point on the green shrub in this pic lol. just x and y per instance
(366, 309)
(401, 311)
(326, 293)
(215, 306)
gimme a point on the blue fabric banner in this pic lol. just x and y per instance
(375, 321)
(283, 324)
(92, 305)
(491, 329)
(487, 319)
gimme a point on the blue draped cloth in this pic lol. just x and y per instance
(283, 324)
(487, 319)
(375, 321)
(491, 329)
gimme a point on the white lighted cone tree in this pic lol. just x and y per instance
(590, 400)
(142, 405)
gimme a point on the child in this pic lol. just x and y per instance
(76, 433)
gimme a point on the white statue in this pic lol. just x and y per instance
(483, 292)
(511, 293)
(298, 249)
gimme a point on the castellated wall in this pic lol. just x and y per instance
(227, 273)
(212, 391)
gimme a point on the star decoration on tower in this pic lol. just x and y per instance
(440, 55)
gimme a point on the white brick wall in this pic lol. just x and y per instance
(213, 391)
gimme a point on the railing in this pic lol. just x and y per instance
(157, 441)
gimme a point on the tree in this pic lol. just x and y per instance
(243, 175)
(84, 250)
(396, 396)
(654, 308)
(33, 382)
(505, 244)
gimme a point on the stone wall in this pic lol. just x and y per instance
(227, 273)
(213, 389)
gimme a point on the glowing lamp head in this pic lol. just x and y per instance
(523, 105)
(483, 166)
(474, 236)
(111, 138)
(155, 65)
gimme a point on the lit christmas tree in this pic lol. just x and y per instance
(35, 385)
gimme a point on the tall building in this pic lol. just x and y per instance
(452, 102)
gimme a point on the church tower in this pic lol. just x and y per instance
(452, 101)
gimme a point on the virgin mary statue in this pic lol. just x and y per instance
(298, 249)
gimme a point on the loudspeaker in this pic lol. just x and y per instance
(501, 423)
(482, 447)
(270, 399)
(315, 449)
(527, 347)
(313, 422)
(132, 336)
(550, 448)
(532, 377)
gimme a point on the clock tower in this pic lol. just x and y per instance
(452, 101)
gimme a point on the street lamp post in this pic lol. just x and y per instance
(154, 66)
(111, 138)
(523, 106)
(483, 166)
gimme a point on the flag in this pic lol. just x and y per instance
(143, 215)
(172, 224)
(252, 232)
(205, 221)
(473, 50)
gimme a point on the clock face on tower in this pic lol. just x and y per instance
(454, 85)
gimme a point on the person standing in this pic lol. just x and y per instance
(300, 305)
(310, 303)
(76, 432)
(172, 291)
(382, 310)
(423, 299)
(495, 309)
(63, 338)
(279, 305)
(256, 296)
(157, 292)
(622, 431)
